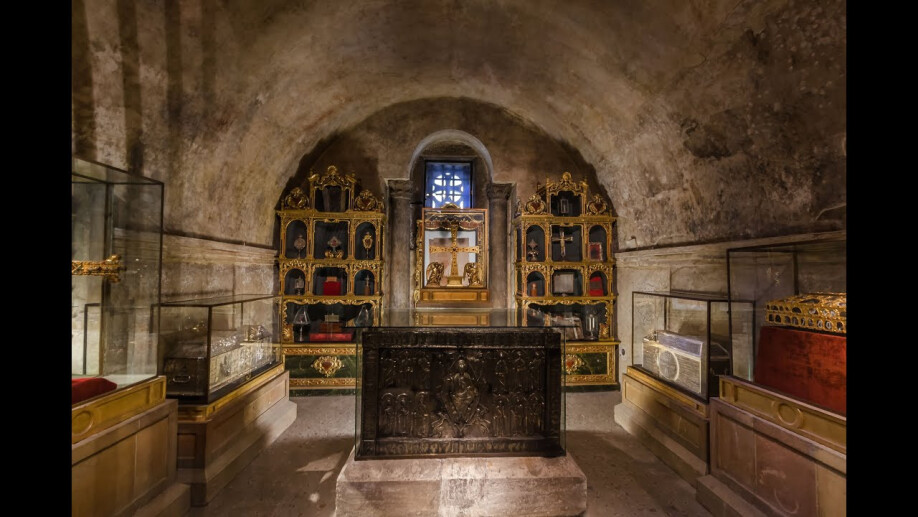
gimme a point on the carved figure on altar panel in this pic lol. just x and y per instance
(500, 372)
(499, 423)
(387, 414)
(518, 415)
(534, 376)
(534, 415)
(422, 415)
(403, 414)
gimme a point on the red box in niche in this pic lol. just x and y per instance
(808, 365)
(331, 288)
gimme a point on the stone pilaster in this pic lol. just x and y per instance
(499, 229)
(399, 255)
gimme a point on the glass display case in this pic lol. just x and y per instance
(452, 256)
(683, 338)
(435, 382)
(797, 333)
(213, 345)
(116, 253)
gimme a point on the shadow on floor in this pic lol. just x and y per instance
(625, 479)
(296, 475)
(290, 478)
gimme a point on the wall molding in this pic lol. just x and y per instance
(195, 250)
(701, 254)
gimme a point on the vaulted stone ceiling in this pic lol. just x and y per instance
(703, 120)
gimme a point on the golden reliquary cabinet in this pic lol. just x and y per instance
(452, 257)
(563, 274)
(330, 264)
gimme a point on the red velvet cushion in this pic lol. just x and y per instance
(809, 365)
(331, 288)
(88, 387)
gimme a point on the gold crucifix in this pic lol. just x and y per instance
(561, 239)
(455, 277)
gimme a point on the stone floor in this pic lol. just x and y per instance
(296, 474)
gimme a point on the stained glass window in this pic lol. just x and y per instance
(448, 182)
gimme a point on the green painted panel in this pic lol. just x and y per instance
(300, 367)
(593, 364)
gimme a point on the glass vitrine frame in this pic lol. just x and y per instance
(116, 253)
(213, 345)
(682, 338)
(764, 273)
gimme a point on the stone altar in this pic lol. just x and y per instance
(460, 421)
(458, 392)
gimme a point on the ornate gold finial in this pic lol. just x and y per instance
(332, 178)
(296, 199)
(597, 205)
(110, 268)
(366, 202)
(449, 205)
(535, 205)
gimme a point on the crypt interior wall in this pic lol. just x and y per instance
(701, 123)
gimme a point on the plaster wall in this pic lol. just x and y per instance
(704, 121)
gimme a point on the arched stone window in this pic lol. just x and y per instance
(448, 182)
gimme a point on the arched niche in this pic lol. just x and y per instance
(566, 243)
(331, 240)
(364, 283)
(567, 282)
(598, 236)
(295, 282)
(296, 237)
(535, 284)
(329, 281)
(535, 244)
(365, 242)
(597, 285)
(566, 204)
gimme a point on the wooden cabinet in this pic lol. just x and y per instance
(330, 267)
(563, 274)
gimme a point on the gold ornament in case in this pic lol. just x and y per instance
(827, 312)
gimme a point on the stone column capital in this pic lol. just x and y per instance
(499, 191)
(400, 189)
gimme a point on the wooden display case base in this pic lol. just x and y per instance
(125, 463)
(674, 426)
(453, 296)
(777, 454)
(218, 440)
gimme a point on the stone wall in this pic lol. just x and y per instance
(703, 123)
(204, 268)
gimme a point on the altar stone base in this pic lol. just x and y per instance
(531, 486)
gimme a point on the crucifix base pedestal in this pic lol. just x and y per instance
(454, 297)
(454, 281)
